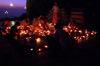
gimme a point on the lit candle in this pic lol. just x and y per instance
(83, 36)
(31, 49)
(75, 30)
(71, 30)
(45, 46)
(27, 39)
(38, 40)
(92, 33)
(80, 31)
(39, 49)
(87, 34)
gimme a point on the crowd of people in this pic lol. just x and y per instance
(61, 40)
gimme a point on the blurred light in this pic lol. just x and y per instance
(31, 49)
(39, 50)
(11, 4)
(6, 12)
(25, 7)
(38, 40)
(12, 23)
(45, 46)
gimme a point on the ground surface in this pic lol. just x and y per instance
(82, 54)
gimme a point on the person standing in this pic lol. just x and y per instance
(55, 10)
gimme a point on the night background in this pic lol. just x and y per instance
(86, 14)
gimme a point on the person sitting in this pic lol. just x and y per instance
(46, 24)
(72, 24)
(25, 22)
(6, 22)
(14, 31)
(63, 37)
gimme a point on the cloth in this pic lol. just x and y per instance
(55, 14)
(55, 17)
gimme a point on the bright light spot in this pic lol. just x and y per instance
(12, 23)
(38, 40)
(25, 7)
(6, 12)
(45, 46)
(39, 50)
(31, 49)
(11, 4)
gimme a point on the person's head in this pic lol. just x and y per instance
(41, 18)
(27, 20)
(58, 26)
(17, 23)
(55, 3)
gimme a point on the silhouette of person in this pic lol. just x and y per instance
(63, 37)
(55, 10)
(14, 31)
(6, 22)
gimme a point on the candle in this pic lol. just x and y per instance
(39, 49)
(31, 49)
(80, 31)
(83, 36)
(38, 40)
(92, 33)
(45, 46)
(71, 30)
(75, 30)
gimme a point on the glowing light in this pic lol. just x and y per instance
(25, 7)
(71, 30)
(75, 30)
(75, 37)
(11, 4)
(45, 46)
(80, 31)
(38, 40)
(83, 36)
(31, 49)
(87, 34)
(6, 12)
(12, 23)
(39, 49)
(95, 32)
(92, 33)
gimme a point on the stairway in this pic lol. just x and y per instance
(62, 16)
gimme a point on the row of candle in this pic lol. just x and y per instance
(68, 29)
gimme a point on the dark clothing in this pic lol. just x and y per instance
(13, 31)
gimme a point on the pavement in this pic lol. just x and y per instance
(86, 53)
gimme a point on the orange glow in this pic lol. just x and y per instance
(87, 34)
(74, 37)
(80, 31)
(83, 36)
(45, 46)
(71, 30)
(31, 49)
(95, 32)
(38, 40)
(39, 49)
(92, 33)
(75, 30)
